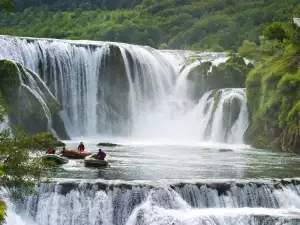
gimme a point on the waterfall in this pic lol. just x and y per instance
(33, 86)
(116, 89)
(32, 104)
(131, 204)
(4, 125)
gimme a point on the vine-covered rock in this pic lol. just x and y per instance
(273, 92)
(230, 74)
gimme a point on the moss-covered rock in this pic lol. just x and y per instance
(231, 74)
(107, 144)
(2, 108)
(60, 144)
(225, 150)
(273, 93)
(9, 76)
(198, 76)
(30, 103)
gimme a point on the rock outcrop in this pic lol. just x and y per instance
(230, 74)
(30, 103)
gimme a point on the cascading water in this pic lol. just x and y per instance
(126, 90)
(4, 125)
(118, 89)
(133, 204)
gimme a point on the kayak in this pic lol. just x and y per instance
(57, 159)
(74, 154)
(93, 161)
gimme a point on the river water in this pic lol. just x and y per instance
(154, 183)
(142, 160)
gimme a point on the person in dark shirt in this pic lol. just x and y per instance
(81, 147)
(63, 151)
(101, 154)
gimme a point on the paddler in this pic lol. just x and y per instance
(81, 147)
(101, 154)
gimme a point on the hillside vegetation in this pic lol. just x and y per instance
(273, 89)
(214, 25)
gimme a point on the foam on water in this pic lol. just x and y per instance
(184, 204)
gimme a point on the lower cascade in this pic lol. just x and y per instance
(116, 89)
(217, 203)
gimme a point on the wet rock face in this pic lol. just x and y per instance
(114, 87)
(291, 140)
(198, 78)
(31, 104)
(231, 74)
(231, 111)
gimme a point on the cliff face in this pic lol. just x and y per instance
(273, 92)
(30, 103)
(230, 74)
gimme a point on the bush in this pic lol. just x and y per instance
(42, 141)
(248, 49)
(275, 31)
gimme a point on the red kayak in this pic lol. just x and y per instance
(74, 154)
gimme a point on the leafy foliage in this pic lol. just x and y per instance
(7, 5)
(248, 49)
(2, 211)
(230, 74)
(21, 168)
(183, 24)
(58, 5)
(275, 31)
(273, 93)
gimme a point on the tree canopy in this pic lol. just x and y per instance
(7, 5)
(214, 25)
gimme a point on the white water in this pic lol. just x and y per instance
(33, 87)
(88, 204)
(5, 124)
(154, 104)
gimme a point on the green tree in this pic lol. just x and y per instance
(275, 31)
(7, 5)
(19, 170)
(248, 49)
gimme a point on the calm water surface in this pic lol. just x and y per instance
(146, 161)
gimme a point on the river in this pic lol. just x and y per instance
(182, 158)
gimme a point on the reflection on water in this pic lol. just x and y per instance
(152, 162)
